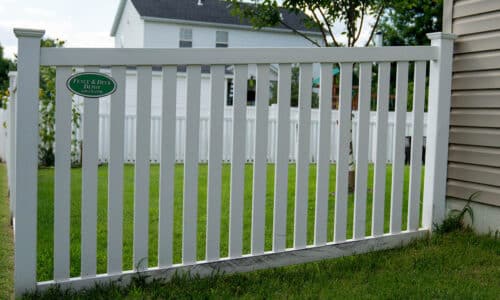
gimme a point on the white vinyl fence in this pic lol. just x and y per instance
(327, 140)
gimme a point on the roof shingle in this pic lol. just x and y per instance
(212, 11)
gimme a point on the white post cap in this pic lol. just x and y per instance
(441, 36)
(23, 32)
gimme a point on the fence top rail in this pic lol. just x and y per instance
(216, 56)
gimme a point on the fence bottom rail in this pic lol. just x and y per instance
(248, 263)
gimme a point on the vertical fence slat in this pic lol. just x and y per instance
(363, 138)
(398, 148)
(167, 166)
(190, 206)
(416, 145)
(341, 188)
(142, 165)
(282, 151)
(89, 183)
(384, 70)
(238, 161)
(215, 162)
(260, 163)
(115, 172)
(323, 168)
(62, 175)
(302, 169)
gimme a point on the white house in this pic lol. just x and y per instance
(196, 24)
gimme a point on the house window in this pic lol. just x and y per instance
(221, 39)
(186, 38)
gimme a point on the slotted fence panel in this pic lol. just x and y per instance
(243, 136)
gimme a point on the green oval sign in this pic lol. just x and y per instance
(91, 85)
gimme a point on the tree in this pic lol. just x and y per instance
(6, 65)
(407, 22)
(324, 15)
(47, 110)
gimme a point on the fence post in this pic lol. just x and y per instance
(436, 160)
(11, 127)
(26, 164)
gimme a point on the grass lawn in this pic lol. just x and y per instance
(45, 214)
(6, 240)
(459, 265)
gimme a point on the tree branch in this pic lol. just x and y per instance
(363, 12)
(320, 25)
(375, 26)
(329, 28)
(299, 33)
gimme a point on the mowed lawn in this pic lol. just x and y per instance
(46, 213)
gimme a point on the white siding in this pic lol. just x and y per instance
(130, 32)
(166, 35)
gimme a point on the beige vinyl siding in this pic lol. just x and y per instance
(474, 152)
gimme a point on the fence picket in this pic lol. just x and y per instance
(62, 175)
(141, 177)
(302, 169)
(260, 162)
(416, 145)
(115, 172)
(215, 162)
(89, 183)
(190, 206)
(238, 161)
(323, 169)
(363, 135)
(344, 137)
(167, 166)
(282, 151)
(398, 148)
(380, 171)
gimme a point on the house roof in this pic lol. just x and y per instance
(212, 11)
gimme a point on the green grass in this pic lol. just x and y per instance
(6, 241)
(45, 214)
(459, 265)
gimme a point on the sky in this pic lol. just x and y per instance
(80, 23)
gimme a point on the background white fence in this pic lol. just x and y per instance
(130, 121)
(250, 136)
(3, 134)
